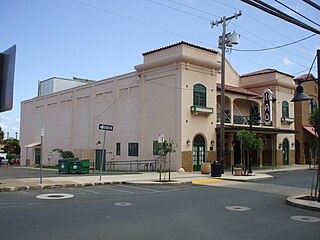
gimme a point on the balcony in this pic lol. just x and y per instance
(245, 120)
(287, 120)
(201, 110)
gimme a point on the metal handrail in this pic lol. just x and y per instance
(133, 164)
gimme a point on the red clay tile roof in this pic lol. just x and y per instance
(263, 71)
(238, 90)
(304, 77)
(176, 44)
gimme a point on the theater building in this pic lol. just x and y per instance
(174, 92)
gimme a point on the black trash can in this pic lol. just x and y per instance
(216, 169)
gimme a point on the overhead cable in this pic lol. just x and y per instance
(272, 48)
(273, 11)
(312, 4)
(291, 9)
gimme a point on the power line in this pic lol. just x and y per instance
(179, 10)
(257, 36)
(137, 21)
(297, 12)
(116, 100)
(263, 24)
(276, 12)
(312, 4)
(168, 31)
(272, 48)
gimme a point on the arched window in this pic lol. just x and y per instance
(199, 95)
(285, 109)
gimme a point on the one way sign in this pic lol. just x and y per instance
(105, 127)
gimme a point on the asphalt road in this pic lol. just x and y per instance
(223, 210)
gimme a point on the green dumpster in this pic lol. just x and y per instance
(64, 165)
(75, 166)
(85, 166)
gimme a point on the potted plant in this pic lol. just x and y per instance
(237, 169)
(205, 168)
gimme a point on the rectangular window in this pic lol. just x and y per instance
(118, 149)
(156, 149)
(133, 149)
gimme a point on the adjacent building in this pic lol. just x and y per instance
(174, 92)
(305, 138)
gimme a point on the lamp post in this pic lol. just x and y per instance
(301, 96)
(253, 118)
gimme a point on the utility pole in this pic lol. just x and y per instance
(223, 21)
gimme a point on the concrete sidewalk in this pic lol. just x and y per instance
(149, 178)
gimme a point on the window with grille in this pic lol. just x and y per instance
(133, 149)
(285, 109)
(118, 149)
(312, 105)
(199, 95)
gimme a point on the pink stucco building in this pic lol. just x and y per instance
(175, 92)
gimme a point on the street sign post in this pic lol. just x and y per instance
(42, 132)
(105, 128)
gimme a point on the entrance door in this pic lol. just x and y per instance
(285, 152)
(37, 155)
(198, 152)
(236, 152)
(297, 152)
(99, 154)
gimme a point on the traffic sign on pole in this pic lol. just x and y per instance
(105, 127)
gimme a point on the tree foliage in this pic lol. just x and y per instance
(1, 135)
(12, 146)
(64, 154)
(314, 116)
(249, 140)
(166, 147)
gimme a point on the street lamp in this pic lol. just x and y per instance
(301, 96)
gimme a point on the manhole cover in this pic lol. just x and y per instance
(55, 196)
(123, 204)
(237, 208)
(305, 219)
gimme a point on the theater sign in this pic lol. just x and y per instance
(267, 106)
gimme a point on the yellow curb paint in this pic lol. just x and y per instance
(206, 181)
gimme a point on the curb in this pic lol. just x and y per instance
(304, 204)
(88, 184)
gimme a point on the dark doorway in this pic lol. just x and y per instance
(198, 152)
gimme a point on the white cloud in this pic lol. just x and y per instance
(189, 2)
(298, 8)
(287, 62)
(9, 124)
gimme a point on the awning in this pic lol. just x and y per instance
(310, 129)
(256, 129)
(33, 145)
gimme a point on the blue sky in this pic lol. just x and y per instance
(97, 39)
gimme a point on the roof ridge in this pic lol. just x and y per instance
(179, 43)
